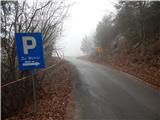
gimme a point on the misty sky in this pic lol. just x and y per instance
(83, 18)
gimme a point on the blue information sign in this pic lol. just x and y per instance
(30, 50)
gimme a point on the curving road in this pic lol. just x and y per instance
(102, 93)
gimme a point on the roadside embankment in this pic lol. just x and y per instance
(149, 71)
(55, 95)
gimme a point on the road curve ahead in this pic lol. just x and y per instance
(102, 93)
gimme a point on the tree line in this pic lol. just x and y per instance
(134, 26)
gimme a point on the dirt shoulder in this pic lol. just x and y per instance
(55, 92)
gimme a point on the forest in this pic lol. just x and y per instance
(130, 40)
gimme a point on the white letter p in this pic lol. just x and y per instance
(26, 47)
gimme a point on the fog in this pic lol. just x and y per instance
(82, 20)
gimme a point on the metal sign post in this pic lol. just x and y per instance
(34, 91)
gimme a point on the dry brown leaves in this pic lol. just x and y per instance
(148, 72)
(55, 96)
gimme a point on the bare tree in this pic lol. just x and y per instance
(46, 17)
(87, 45)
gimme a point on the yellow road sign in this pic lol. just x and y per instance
(99, 50)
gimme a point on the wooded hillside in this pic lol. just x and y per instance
(130, 39)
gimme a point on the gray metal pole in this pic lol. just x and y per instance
(34, 91)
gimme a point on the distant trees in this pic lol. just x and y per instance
(87, 45)
(137, 22)
(105, 32)
(46, 17)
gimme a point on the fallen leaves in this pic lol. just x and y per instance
(130, 63)
(55, 93)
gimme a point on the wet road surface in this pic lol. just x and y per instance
(102, 93)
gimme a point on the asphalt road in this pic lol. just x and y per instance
(102, 93)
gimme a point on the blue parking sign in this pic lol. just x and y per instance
(30, 50)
